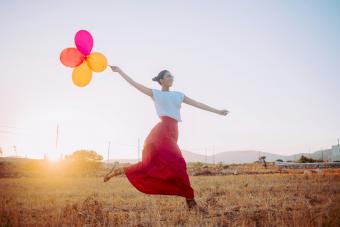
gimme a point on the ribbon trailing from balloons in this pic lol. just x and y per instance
(82, 60)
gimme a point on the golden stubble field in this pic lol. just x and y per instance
(233, 200)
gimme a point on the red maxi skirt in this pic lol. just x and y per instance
(162, 169)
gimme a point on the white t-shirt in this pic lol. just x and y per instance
(168, 103)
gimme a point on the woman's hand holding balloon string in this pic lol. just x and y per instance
(115, 69)
(223, 112)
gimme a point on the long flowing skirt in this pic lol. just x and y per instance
(162, 169)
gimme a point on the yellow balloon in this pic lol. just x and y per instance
(82, 75)
(97, 61)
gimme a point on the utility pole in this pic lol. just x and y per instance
(108, 152)
(57, 139)
(57, 135)
(138, 147)
(15, 150)
(206, 156)
(214, 154)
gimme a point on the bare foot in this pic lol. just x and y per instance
(107, 177)
(192, 205)
(110, 174)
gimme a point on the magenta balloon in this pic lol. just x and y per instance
(84, 42)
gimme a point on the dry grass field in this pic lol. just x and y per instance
(277, 199)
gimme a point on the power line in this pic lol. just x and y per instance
(7, 126)
(10, 132)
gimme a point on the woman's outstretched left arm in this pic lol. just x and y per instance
(203, 106)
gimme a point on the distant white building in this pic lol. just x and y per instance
(335, 153)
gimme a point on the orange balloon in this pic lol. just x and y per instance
(71, 57)
(82, 75)
(97, 61)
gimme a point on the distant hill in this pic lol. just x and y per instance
(231, 157)
(249, 156)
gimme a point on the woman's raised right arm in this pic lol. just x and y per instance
(140, 87)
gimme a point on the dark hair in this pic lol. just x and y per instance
(160, 75)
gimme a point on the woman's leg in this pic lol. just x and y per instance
(191, 203)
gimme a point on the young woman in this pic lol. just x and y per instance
(162, 169)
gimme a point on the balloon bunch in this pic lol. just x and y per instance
(82, 60)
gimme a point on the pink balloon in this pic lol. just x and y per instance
(84, 42)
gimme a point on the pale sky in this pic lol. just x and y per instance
(273, 64)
